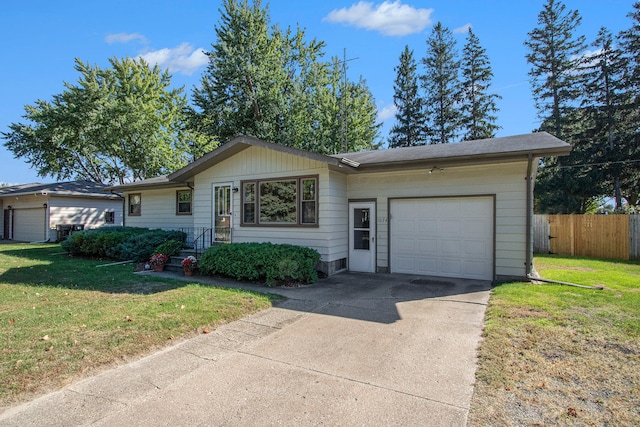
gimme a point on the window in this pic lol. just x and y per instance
(282, 202)
(184, 202)
(135, 204)
(110, 217)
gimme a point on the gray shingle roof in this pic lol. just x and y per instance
(538, 144)
(69, 188)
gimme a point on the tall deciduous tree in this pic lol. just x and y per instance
(272, 84)
(411, 120)
(478, 104)
(441, 84)
(115, 125)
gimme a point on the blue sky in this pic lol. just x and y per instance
(41, 38)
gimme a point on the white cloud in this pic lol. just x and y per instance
(182, 59)
(389, 18)
(387, 112)
(124, 38)
(462, 30)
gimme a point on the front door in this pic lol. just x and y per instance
(222, 214)
(362, 237)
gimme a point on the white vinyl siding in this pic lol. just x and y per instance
(158, 210)
(87, 211)
(258, 163)
(505, 181)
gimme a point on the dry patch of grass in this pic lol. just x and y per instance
(61, 318)
(556, 355)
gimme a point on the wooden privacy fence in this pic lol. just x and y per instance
(598, 236)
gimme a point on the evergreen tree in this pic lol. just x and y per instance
(554, 55)
(478, 105)
(604, 101)
(441, 84)
(630, 147)
(411, 120)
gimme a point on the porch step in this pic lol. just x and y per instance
(175, 262)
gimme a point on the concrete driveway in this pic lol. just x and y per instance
(355, 349)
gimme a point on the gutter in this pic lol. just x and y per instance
(529, 189)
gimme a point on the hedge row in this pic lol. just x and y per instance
(119, 243)
(261, 262)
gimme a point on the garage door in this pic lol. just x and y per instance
(451, 237)
(28, 225)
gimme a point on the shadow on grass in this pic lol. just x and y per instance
(50, 266)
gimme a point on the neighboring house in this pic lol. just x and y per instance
(46, 212)
(454, 210)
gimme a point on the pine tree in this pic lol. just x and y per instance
(604, 100)
(630, 147)
(411, 120)
(478, 105)
(554, 55)
(441, 85)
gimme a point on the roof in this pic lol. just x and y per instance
(69, 188)
(493, 150)
(239, 144)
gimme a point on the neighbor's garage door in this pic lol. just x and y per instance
(28, 225)
(451, 237)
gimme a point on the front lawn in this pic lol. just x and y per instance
(62, 317)
(561, 355)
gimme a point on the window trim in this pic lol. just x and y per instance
(299, 202)
(178, 202)
(129, 211)
(110, 217)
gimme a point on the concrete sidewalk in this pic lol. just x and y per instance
(355, 349)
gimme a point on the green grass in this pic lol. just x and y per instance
(61, 317)
(556, 354)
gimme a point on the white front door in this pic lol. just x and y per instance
(222, 214)
(362, 237)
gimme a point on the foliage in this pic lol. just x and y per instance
(478, 105)
(63, 318)
(273, 84)
(441, 85)
(119, 243)
(115, 125)
(98, 242)
(261, 262)
(157, 260)
(411, 127)
(554, 54)
(189, 263)
(170, 247)
(141, 246)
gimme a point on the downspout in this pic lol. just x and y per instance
(529, 246)
(47, 226)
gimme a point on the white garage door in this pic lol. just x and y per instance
(28, 225)
(451, 237)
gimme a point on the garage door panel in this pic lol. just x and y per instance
(443, 237)
(28, 225)
(427, 246)
(427, 225)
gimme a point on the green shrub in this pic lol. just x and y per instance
(119, 243)
(170, 248)
(140, 247)
(263, 262)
